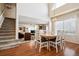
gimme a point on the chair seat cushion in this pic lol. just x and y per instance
(53, 39)
(43, 39)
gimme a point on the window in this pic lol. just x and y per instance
(58, 26)
(68, 25)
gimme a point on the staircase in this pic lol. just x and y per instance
(7, 34)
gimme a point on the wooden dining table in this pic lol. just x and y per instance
(49, 37)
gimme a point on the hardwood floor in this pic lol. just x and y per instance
(27, 49)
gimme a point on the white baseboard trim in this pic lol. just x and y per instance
(76, 42)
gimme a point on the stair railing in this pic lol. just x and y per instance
(1, 18)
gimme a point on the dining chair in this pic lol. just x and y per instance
(42, 42)
(62, 34)
(55, 42)
(63, 41)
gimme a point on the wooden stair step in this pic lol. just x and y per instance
(7, 30)
(7, 40)
(6, 34)
(6, 45)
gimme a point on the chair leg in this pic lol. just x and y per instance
(61, 46)
(48, 48)
(56, 48)
(40, 48)
(36, 44)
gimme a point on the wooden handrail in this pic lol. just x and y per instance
(2, 18)
(2, 12)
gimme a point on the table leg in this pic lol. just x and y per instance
(48, 45)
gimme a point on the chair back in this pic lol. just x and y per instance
(41, 32)
(59, 35)
(37, 36)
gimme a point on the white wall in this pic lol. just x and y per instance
(31, 20)
(10, 13)
(36, 10)
(1, 7)
(33, 12)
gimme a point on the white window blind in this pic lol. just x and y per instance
(68, 25)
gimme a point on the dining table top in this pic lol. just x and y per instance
(49, 36)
